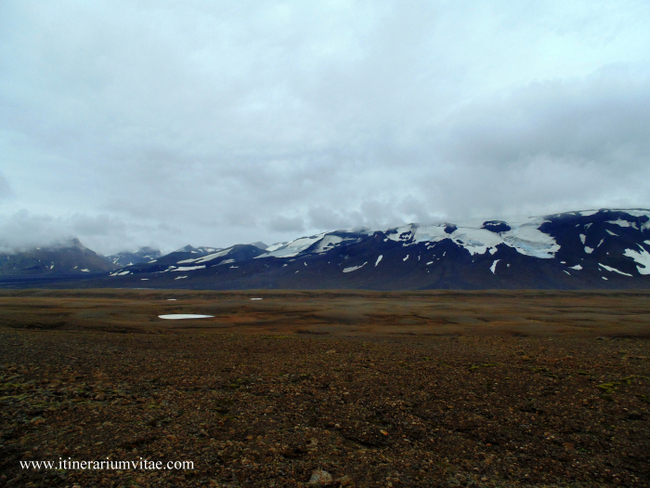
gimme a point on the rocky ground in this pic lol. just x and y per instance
(284, 408)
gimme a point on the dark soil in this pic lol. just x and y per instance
(436, 389)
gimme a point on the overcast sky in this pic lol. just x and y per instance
(163, 123)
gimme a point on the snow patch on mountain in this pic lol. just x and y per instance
(209, 257)
(613, 270)
(527, 239)
(120, 273)
(187, 268)
(292, 248)
(321, 243)
(623, 223)
(327, 243)
(642, 259)
(354, 268)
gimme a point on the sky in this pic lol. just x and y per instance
(131, 123)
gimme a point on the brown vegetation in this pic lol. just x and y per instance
(437, 388)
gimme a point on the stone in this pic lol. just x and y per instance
(320, 477)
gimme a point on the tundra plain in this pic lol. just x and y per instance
(436, 388)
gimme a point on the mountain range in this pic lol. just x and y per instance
(595, 249)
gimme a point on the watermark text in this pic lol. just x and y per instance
(108, 464)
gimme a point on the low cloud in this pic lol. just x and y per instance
(23, 230)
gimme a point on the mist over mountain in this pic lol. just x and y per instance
(62, 259)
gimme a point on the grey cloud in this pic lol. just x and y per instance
(170, 123)
(321, 217)
(602, 118)
(97, 226)
(287, 224)
(5, 189)
(549, 146)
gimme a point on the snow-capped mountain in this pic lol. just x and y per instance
(142, 255)
(65, 259)
(190, 258)
(575, 250)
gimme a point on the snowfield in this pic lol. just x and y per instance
(526, 238)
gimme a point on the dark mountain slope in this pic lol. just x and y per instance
(590, 249)
(67, 259)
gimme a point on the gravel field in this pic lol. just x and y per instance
(483, 389)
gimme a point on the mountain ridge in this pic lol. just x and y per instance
(605, 248)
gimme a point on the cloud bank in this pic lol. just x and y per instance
(167, 123)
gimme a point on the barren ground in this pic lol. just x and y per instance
(484, 389)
